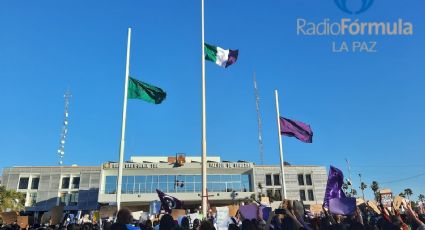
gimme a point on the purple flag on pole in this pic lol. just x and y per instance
(296, 129)
(342, 206)
(335, 198)
(169, 202)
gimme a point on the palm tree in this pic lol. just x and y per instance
(353, 192)
(363, 186)
(10, 199)
(375, 187)
(402, 195)
(408, 192)
(421, 198)
(345, 188)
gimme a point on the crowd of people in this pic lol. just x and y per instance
(284, 218)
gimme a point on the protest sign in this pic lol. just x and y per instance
(275, 205)
(192, 217)
(56, 215)
(299, 207)
(45, 218)
(154, 207)
(176, 213)
(373, 206)
(222, 217)
(233, 209)
(249, 211)
(316, 209)
(398, 200)
(25, 221)
(386, 197)
(359, 201)
(96, 216)
(9, 217)
(137, 214)
(265, 200)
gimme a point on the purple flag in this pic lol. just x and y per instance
(296, 129)
(249, 211)
(169, 202)
(342, 206)
(335, 198)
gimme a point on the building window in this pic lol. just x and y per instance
(246, 183)
(32, 199)
(300, 179)
(73, 199)
(75, 182)
(277, 195)
(269, 193)
(268, 180)
(23, 182)
(34, 182)
(65, 182)
(276, 179)
(310, 194)
(179, 183)
(111, 184)
(63, 197)
(302, 195)
(308, 179)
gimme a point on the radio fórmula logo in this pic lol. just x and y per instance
(342, 5)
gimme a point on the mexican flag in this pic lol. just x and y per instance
(220, 56)
(144, 91)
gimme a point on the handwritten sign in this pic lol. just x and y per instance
(386, 199)
(222, 217)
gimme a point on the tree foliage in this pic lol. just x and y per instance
(375, 187)
(10, 199)
(421, 198)
(363, 186)
(408, 192)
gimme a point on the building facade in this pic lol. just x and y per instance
(86, 188)
(74, 187)
(304, 183)
(227, 182)
(143, 175)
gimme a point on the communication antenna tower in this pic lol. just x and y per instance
(260, 128)
(61, 149)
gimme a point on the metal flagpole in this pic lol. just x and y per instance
(282, 169)
(204, 128)
(124, 114)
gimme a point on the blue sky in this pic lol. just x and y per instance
(367, 107)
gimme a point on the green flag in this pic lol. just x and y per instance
(144, 91)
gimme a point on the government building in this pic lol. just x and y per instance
(88, 188)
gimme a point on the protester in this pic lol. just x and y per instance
(207, 225)
(185, 223)
(124, 218)
(287, 217)
(196, 224)
(166, 222)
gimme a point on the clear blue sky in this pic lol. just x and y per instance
(368, 108)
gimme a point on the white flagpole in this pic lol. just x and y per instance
(282, 169)
(204, 126)
(124, 114)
